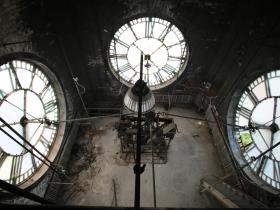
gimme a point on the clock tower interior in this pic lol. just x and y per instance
(139, 104)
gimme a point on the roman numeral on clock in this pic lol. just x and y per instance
(244, 112)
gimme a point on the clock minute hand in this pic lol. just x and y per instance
(157, 49)
(273, 126)
(24, 119)
(155, 65)
(138, 48)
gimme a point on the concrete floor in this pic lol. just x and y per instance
(190, 158)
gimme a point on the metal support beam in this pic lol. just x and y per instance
(24, 193)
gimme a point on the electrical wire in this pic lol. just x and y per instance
(90, 118)
(210, 121)
(263, 126)
(45, 120)
(26, 121)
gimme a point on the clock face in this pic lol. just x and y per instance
(260, 106)
(164, 48)
(28, 96)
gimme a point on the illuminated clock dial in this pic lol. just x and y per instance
(259, 105)
(29, 95)
(164, 48)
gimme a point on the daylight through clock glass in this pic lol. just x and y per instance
(259, 106)
(28, 97)
(164, 48)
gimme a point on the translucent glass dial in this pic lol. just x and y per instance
(259, 105)
(164, 48)
(27, 98)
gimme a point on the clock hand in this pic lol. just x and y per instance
(273, 124)
(138, 48)
(258, 126)
(274, 113)
(18, 108)
(155, 65)
(270, 153)
(157, 49)
(35, 132)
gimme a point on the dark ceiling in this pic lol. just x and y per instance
(230, 41)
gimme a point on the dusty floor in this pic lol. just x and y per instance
(190, 158)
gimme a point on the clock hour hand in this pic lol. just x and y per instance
(257, 126)
(138, 48)
(155, 65)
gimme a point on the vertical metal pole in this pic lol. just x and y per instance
(153, 168)
(138, 142)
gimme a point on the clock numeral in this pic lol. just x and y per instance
(124, 68)
(16, 168)
(15, 75)
(152, 29)
(175, 58)
(122, 43)
(169, 69)
(149, 27)
(44, 141)
(3, 156)
(276, 171)
(2, 94)
(158, 77)
(267, 87)
(261, 164)
(51, 127)
(244, 112)
(181, 42)
(32, 76)
(165, 32)
(33, 160)
(119, 56)
(12, 80)
(44, 91)
(134, 34)
(252, 96)
(50, 106)
(250, 148)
